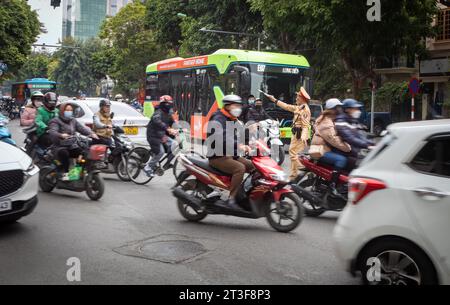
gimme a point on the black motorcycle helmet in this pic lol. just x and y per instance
(104, 102)
(50, 99)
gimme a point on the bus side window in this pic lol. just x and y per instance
(163, 84)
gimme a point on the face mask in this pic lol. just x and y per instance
(171, 111)
(251, 102)
(356, 114)
(37, 104)
(68, 114)
(236, 112)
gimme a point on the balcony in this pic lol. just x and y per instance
(397, 67)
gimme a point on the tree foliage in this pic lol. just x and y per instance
(36, 65)
(342, 26)
(74, 71)
(19, 28)
(130, 47)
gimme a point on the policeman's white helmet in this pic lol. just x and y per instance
(332, 103)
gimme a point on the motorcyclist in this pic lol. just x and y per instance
(334, 148)
(350, 130)
(29, 114)
(43, 116)
(159, 132)
(136, 105)
(103, 125)
(118, 98)
(63, 127)
(226, 158)
(256, 112)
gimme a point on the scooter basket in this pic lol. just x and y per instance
(97, 152)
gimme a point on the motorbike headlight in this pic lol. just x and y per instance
(280, 177)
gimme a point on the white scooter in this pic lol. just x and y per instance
(271, 129)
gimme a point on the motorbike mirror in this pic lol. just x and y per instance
(112, 115)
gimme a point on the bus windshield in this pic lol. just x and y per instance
(281, 82)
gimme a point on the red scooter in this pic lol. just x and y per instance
(264, 193)
(315, 190)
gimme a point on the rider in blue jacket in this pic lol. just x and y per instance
(350, 129)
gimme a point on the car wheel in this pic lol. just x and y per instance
(395, 261)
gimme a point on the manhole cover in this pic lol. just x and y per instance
(165, 249)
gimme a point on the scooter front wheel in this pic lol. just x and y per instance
(95, 187)
(121, 170)
(286, 215)
(47, 179)
(186, 210)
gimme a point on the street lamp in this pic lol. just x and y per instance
(234, 33)
(54, 46)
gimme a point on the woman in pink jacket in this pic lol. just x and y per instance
(29, 114)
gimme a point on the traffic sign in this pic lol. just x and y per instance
(414, 89)
(414, 86)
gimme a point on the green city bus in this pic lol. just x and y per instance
(199, 84)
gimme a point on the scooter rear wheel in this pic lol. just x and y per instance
(290, 208)
(310, 209)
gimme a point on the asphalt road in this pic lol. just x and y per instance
(105, 237)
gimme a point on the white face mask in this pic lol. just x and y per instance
(356, 114)
(236, 112)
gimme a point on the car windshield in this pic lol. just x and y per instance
(316, 110)
(118, 109)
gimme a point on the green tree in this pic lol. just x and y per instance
(130, 45)
(36, 65)
(342, 26)
(73, 71)
(182, 35)
(19, 27)
(162, 19)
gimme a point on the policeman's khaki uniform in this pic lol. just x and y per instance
(301, 123)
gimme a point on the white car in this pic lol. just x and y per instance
(129, 119)
(19, 179)
(395, 227)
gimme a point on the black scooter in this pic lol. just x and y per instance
(85, 172)
(117, 155)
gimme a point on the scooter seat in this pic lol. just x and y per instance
(204, 164)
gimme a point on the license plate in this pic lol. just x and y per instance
(5, 206)
(283, 134)
(131, 131)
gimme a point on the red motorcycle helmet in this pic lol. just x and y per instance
(166, 99)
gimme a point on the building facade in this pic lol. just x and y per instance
(82, 18)
(433, 72)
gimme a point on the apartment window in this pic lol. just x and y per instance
(444, 25)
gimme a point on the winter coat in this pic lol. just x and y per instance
(43, 117)
(59, 126)
(326, 135)
(349, 129)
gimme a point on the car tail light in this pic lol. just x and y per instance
(358, 188)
